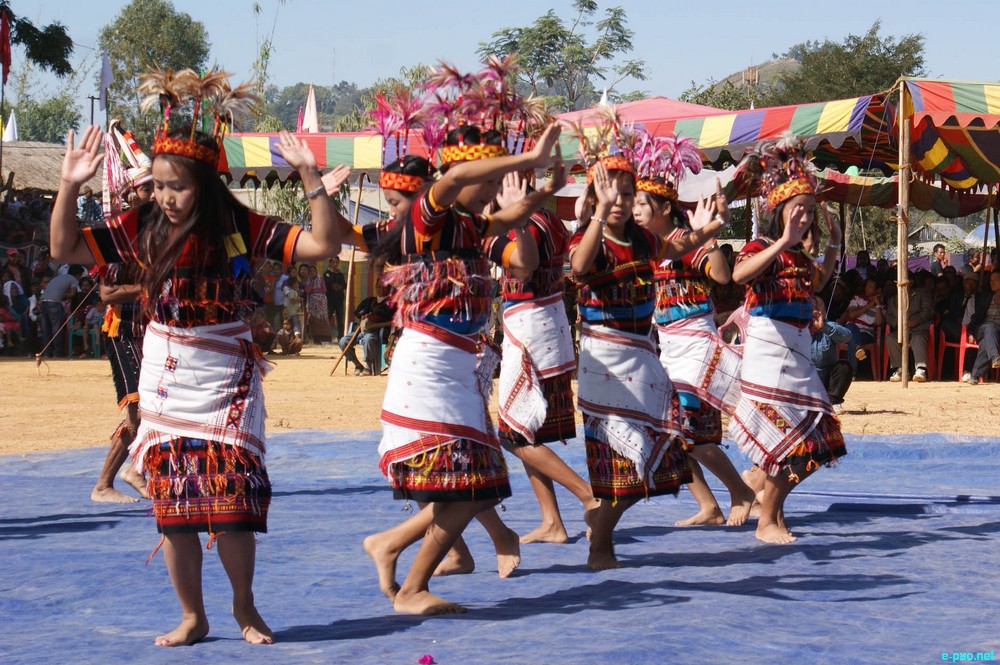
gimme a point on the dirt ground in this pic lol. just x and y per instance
(71, 403)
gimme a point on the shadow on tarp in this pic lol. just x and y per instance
(893, 564)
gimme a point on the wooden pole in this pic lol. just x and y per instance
(349, 294)
(902, 249)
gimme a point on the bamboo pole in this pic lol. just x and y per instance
(349, 294)
(903, 227)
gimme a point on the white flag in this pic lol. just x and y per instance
(10, 131)
(107, 78)
(310, 118)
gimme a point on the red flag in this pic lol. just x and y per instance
(5, 45)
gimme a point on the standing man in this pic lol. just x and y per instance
(53, 312)
(336, 291)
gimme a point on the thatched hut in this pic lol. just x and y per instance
(35, 167)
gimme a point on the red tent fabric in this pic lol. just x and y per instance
(651, 113)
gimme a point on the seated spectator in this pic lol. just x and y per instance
(863, 264)
(952, 310)
(982, 317)
(836, 374)
(10, 329)
(92, 322)
(376, 320)
(920, 315)
(863, 314)
(262, 332)
(289, 339)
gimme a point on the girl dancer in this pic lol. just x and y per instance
(536, 398)
(128, 183)
(634, 444)
(400, 182)
(202, 432)
(703, 369)
(438, 445)
(783, 421)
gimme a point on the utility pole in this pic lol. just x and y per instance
(92, 99)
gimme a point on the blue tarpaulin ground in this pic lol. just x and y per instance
(897, 562)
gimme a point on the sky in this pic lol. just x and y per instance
(324, 42)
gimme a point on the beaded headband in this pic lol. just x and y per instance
(402, 182)
(661, 189)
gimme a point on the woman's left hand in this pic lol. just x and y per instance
(295, 151)
(333, 180)
(831, 223)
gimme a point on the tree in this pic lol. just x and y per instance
(860, 65)
(725, 95)
(49, 47)
(560, 63)
(47, 120)
(144, 35)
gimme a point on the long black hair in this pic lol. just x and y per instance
(161, 242)
(388, 249)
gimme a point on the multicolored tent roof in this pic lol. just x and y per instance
(955, 132)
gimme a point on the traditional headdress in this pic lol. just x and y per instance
(662, 162)
(126, 167)
(486, 100)
(212, 99)
(611, 142)
(394, 119)
(782, 168)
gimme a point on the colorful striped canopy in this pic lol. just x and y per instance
(955, 131)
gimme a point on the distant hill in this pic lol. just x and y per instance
(766, 72)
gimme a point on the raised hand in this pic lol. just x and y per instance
(514, 189)
(542, 152)
(703, 214)
(605, 187)
(295, 151)
(81, 162)
(721, 205)
(558, 180)
(333, 180)
(831, 223)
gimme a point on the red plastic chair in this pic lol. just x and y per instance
(962, 345)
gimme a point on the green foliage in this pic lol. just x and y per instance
(860, 65)
(332, 103)
(724, 95)
(49, 47)
(47, 120)
(561, 63)
(873, 229)
(144, 35)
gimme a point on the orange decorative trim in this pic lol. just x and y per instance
(468, 153)
(787, 190)
(401, 182)
(288, 251)
(661, 189)
(164, 145)
(611, 163)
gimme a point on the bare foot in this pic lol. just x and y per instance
(135, 479)
(740, 507)
(555, 533)
(603, 560)
(508, 553)
(188, 632)
(772, 533)
(111, 495)
(255, 631)
(424, 602)
(710, 517)
(385, 566)
(590, 516)
(455, 564)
